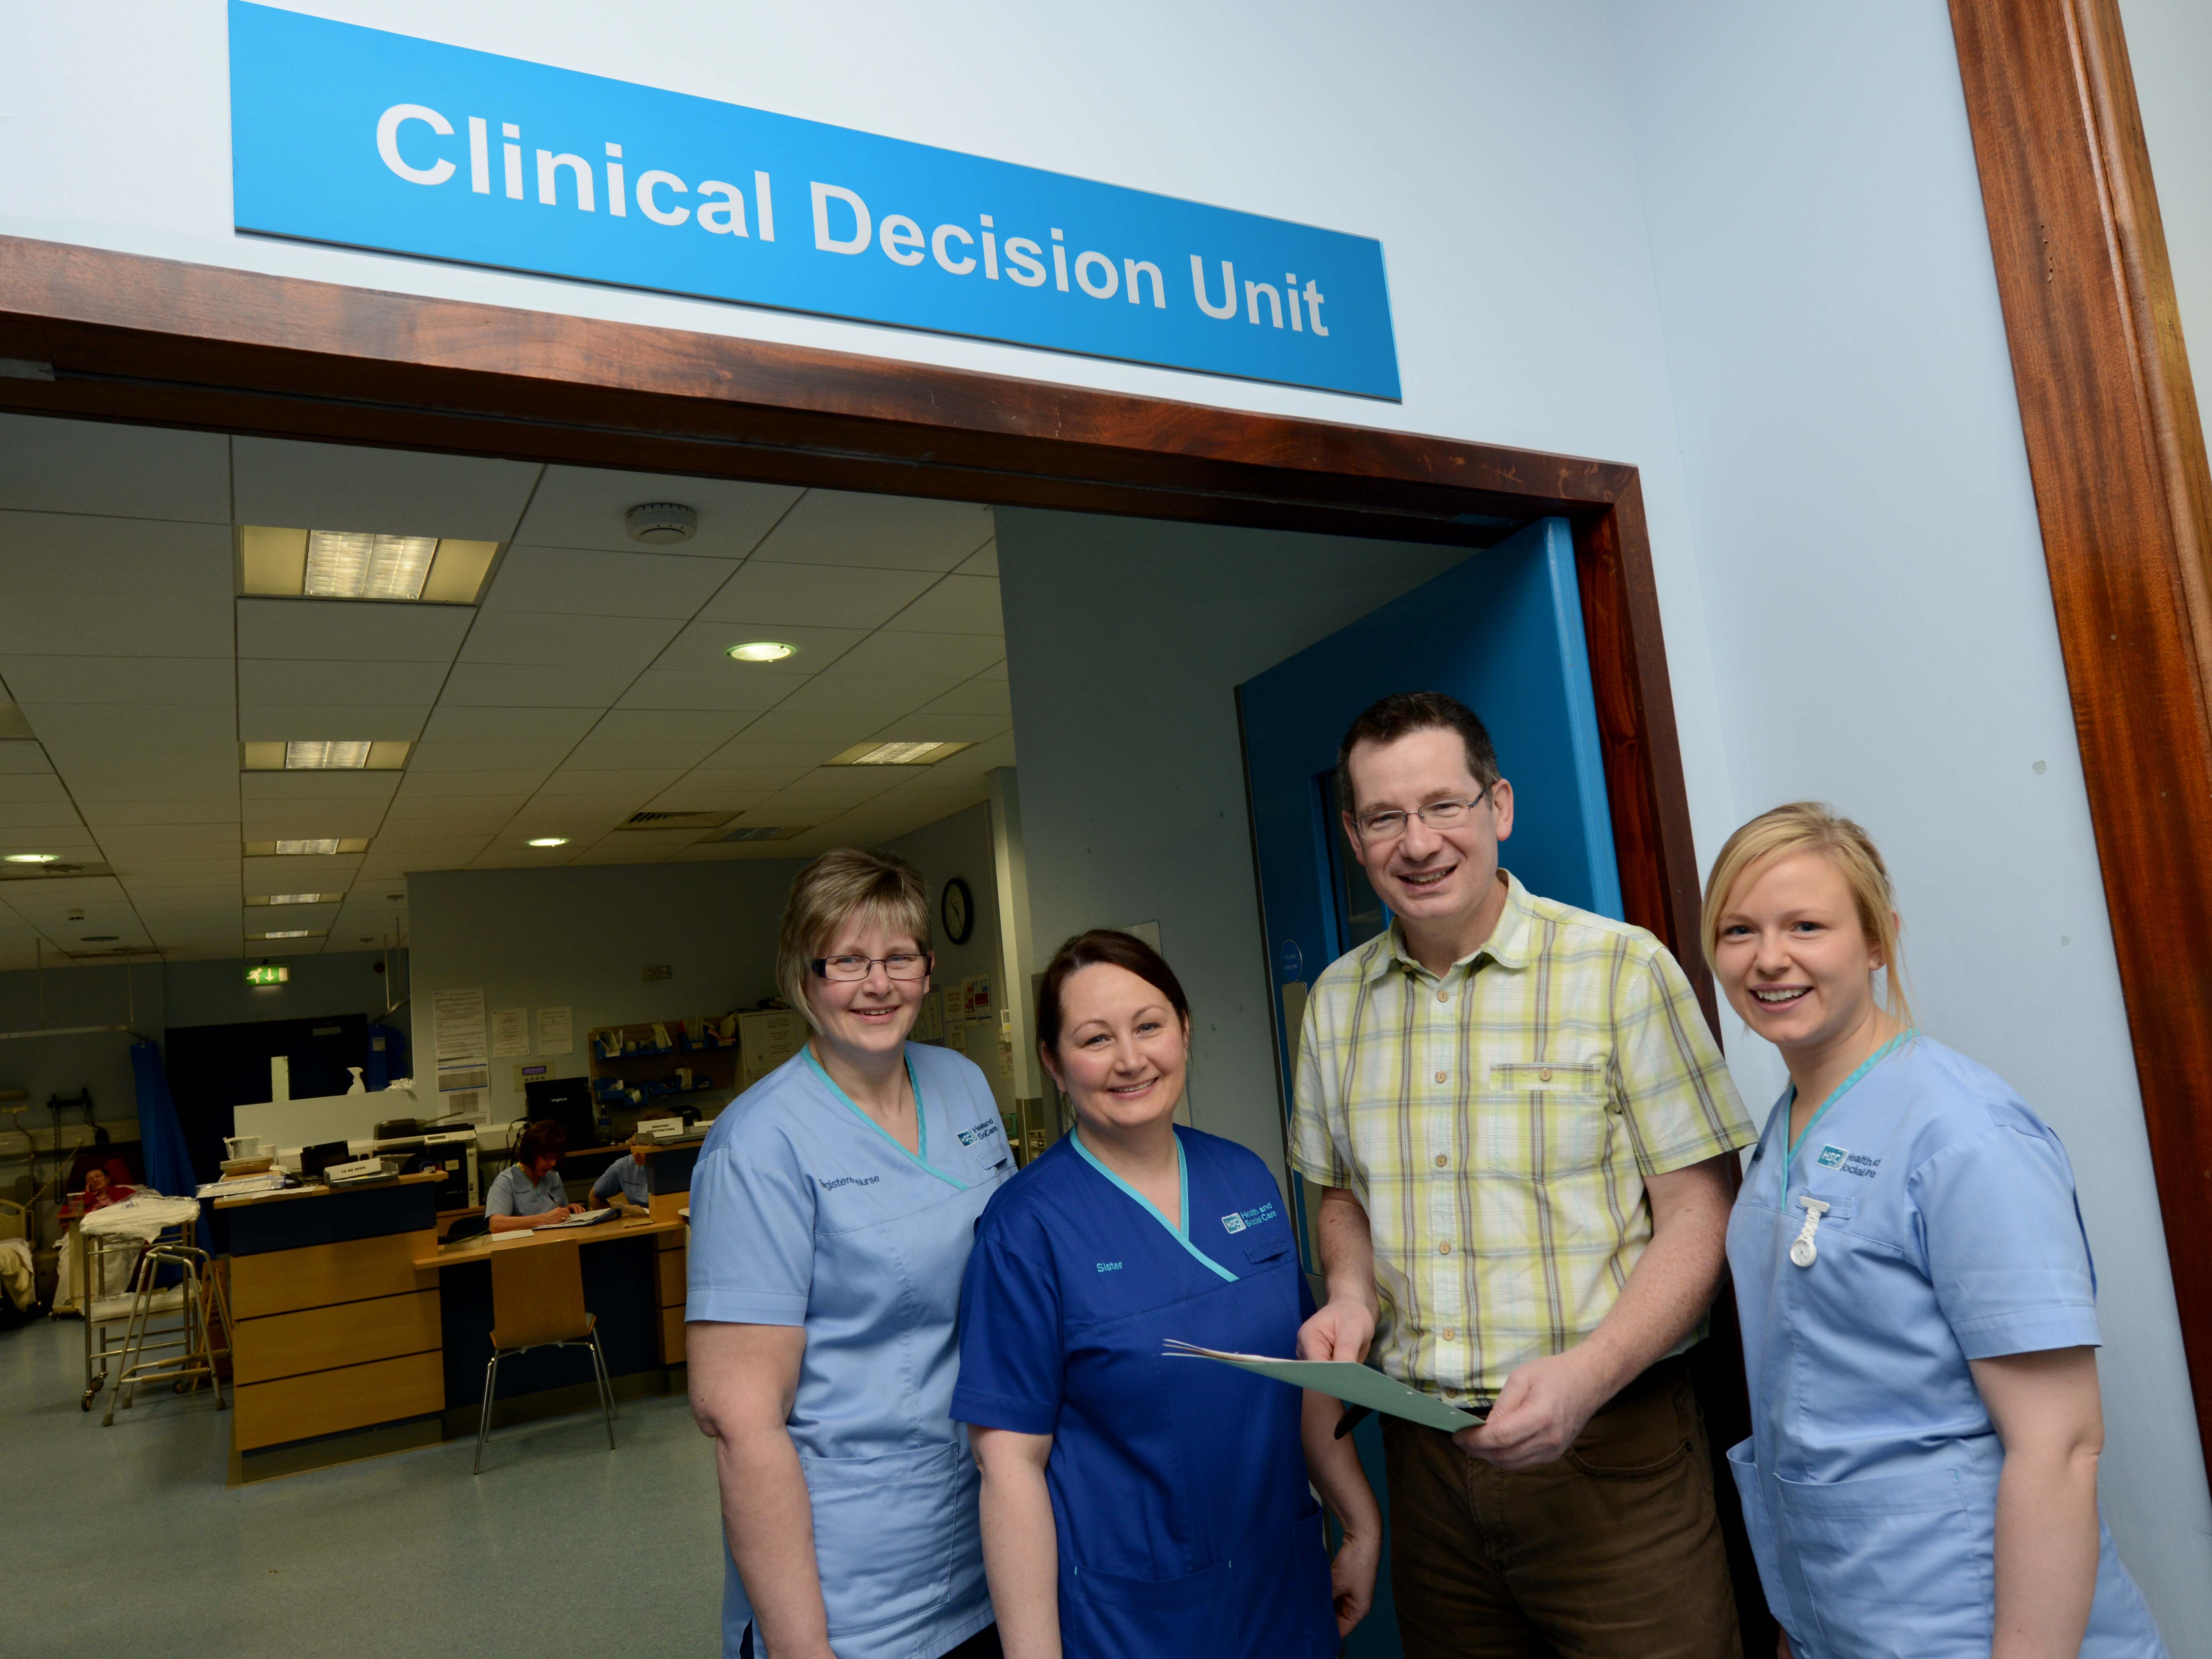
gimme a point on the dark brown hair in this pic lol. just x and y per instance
(1102, 946)
(1404, 712)
(543, 1138)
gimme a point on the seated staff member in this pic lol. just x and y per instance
(832, 1210)
(1918, 1303)
(621, 1185)
(527, 1193)
(1138, 1506)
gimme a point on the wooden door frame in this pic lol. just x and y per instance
(88, 332)
(2116, 453)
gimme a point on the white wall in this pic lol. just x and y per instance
(1125, 643)
(581, 937)
(961, 846)
(2170, 50)
(1875, 592)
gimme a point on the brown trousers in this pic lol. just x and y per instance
(1612, 1553)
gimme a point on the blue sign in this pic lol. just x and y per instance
(366, 139)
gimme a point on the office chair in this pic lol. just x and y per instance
(537, 1301)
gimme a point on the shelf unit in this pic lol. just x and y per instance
(640, 1063)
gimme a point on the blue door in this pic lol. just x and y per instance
(1501, 632)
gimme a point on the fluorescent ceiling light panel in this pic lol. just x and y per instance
(322, 754)
(311, 846)
(549, 840)
(290, 848)
(288, 932)
(359, 564)
(897, 754)
(34, 858)
(296, 898)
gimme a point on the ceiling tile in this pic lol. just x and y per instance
(325, 683)
(101, 813)
(508, 780)
(188, 793)
(531, 726)
(37, 815)
(526, 859)
(690, 796)
(958, 604)
(874, 697)
(533, 685)
(707, 689)
(984, 562)
(704, 646)
(163, 589)
(637, 847)
(121, 679)
(581, 507)
(120, 471)
(963, 656)
(636, 755)
(349, 721)
(420, 839)
(997, 671)
(891, 533)
(943, 728)
(490, 811)
(667, 725)
(363, 786)
(310, 820)
(351, 631)
(22, 757)
(634, 786)
(706, 785)
(221, 838)
(397, 492)
(609, 643)
(816, 596)
(743, 752)
(848, 784)
(28, 788)
(578, 582)
(302, 873)
(832, 731)
(171, 870)
(976, 696)
(486, 759)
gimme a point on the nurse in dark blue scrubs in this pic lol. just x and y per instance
(1136, 1506)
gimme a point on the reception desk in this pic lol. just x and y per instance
(668, 1189)
(357, 1332)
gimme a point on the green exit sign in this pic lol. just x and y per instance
(268, 973)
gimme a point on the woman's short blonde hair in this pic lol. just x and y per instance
(844, 885)
(1812, 826)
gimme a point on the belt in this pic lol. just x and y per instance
(1658, 1378)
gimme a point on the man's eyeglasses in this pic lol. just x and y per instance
(900, 964)
(1437, 815)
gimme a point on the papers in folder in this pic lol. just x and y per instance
(589, 1218)
(1358, 1385)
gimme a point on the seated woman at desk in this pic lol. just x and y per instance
(527, 1193)
(622, 1184)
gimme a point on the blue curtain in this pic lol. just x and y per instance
(160, 1136)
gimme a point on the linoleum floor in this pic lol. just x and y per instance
(125, 1539)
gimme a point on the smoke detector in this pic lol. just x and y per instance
(660, 523)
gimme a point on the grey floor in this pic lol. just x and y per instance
(126, 1540)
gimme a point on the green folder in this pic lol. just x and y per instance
(1356, 1385)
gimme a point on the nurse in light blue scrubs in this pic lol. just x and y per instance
(1917, 1300)
(833, 1208)
(1136, 1506)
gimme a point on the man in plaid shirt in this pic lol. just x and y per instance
(1519, 1122)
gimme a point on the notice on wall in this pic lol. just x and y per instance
(356, 137)
(929, 1022)
(510, 1033)
(975, 997)
(556, 1031)
(462, 1048)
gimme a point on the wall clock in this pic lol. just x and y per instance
(958, 909)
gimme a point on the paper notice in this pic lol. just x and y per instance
(556, 1031)
(462, 1046)
(1358, 1385)
(510, 1033)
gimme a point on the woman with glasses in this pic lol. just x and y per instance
(832, 1211)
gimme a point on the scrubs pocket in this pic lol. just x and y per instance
(1106, 1616)
(895, 1537)
(1751, 1491)
(1900, 1564)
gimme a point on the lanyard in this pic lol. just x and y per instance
(921, 1118)
(1790, 1147)
(1180, 1228)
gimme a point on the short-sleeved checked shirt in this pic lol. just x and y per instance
(1496, 1125)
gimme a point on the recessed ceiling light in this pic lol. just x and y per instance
(897, 754)
(350, 564)
(327, 844)
(34, 858)
(549, 840)
(296, 898)
(286, 933)
(762, 651)
(321, 756)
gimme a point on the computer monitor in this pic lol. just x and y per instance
(567, 1102)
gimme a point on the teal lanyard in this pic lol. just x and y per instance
(921, 1118)
(1789, 1148)
(1180, 1229)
